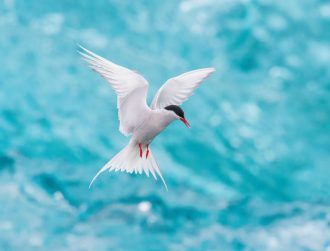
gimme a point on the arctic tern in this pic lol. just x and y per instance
(138, 120)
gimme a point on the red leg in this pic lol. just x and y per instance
(140, 150)
(147, 153)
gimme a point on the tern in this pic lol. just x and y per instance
(138, 120)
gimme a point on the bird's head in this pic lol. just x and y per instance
(178, 113)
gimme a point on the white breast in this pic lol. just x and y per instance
(154, 124)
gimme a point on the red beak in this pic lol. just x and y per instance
(185, 122)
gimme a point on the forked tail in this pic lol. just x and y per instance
(129, 160)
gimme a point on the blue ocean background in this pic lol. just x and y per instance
(251, 174)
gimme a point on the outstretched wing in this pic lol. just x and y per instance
(178, 89)
(131, 89)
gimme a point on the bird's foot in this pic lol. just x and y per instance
(140, 151)
(147, 153)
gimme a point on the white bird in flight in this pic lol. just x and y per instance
(136, 118)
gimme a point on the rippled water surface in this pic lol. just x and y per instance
(251, 174)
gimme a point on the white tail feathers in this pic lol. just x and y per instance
(129, 160)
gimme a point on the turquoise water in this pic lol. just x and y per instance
(251, 174)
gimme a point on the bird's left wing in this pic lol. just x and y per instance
(131, 89)
(178, 89)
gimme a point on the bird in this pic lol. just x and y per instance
(138, 120)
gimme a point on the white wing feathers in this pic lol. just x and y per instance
(130, 87)
(178, 89)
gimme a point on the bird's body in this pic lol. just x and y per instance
(154, 123)
(137, 119)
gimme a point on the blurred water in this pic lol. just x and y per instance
(251, 174)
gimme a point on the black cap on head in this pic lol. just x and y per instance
(176, 109)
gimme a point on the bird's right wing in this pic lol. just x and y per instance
(131, 89)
